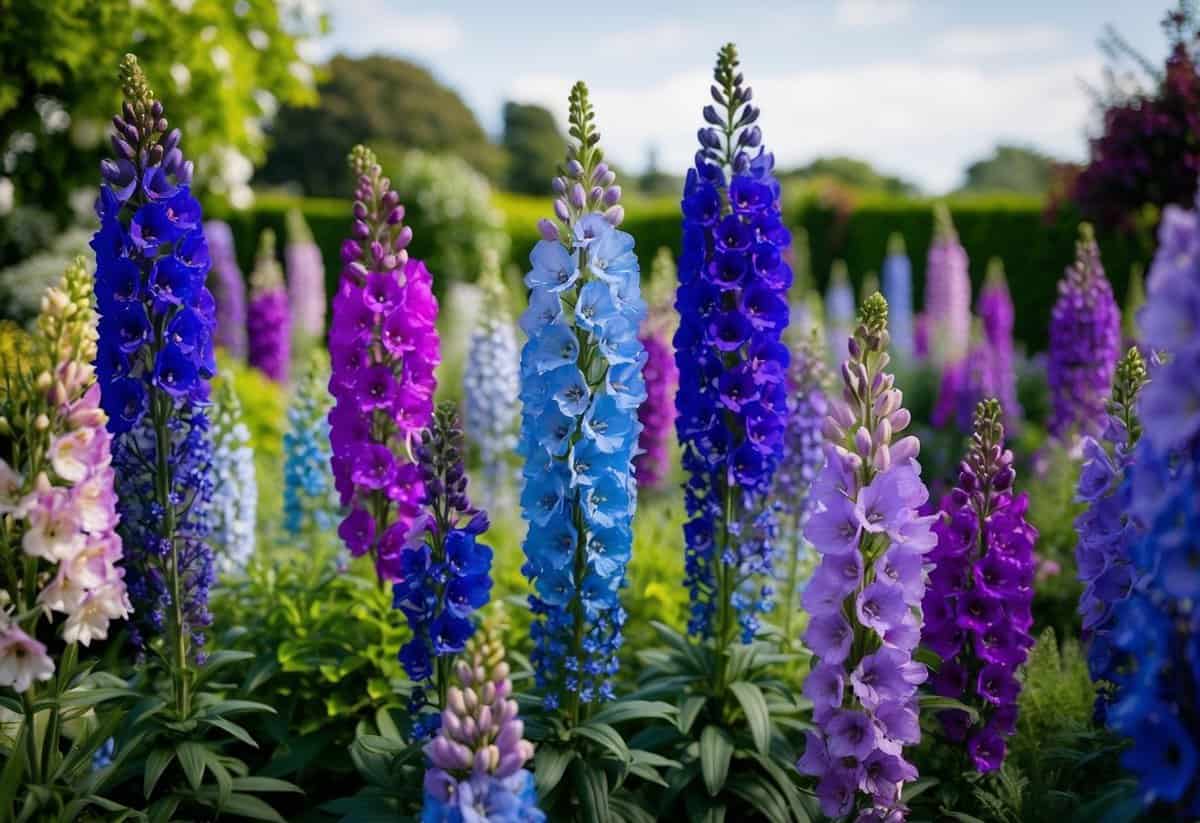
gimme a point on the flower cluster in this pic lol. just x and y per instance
(154, 361)
(897, 290)
(864, 595)
(383, 345)
(305, 280)
(657, 414)
(228, 289)
(581, 385)
(947, 293)
(978, 604)
(491, 382)
(1155, 637)
(58, 500)
(235, 488)
(477, 759)
(1085, 339)
(839, 312)
(997, 315)
(445, 579)
(732, 399)
(309, 503)
(268, 320)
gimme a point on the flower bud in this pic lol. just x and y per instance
(883, 432)
(576, 196)
(614, 215)
(611, 195)
(574, 169)
(832, 431)
(561, 211)
(900, 419)
(905, 449)
(599, 172)
(882, 460)
(547, 230)
(403, 238)
(862, 442)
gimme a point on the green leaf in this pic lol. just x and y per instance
(156, 763)
(917, 787)
(247, 805)
(643, 757)
(629, 810)
(387, 726)
(716, 749)
(754, 706)
(756, 791)
(264, 784)
(623, 710)
(10, 778)
(78, 698)
(222, 708)
(690, 711)
(606, 736)
(931, 703)
(591, 788)
(192, 757)
(163, 811)
(223, 778)
(231, 728)
(549, 765)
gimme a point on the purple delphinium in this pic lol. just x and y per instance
(1085, 339)
(268, 319)
(863, 597)
(732, 399)
(228, 288)
(997, 315)
(978, 607)
(305, 279)
(947, 293)
(657, 412)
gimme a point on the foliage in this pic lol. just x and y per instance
(1052, 511)
(22, 284)
(1018, 169)
(533, 143)
(849, 171)
(377, 100)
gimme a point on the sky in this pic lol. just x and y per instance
(919, 88)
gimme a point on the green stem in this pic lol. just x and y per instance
(163, 478)
(31, 747)
(793, 582)
(726, 582)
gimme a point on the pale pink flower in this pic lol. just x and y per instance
(22, 660)
(10, 490)
(71, 454)
(90, 621)
(95, 501)
(53, 524)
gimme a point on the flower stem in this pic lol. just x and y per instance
(163, 483)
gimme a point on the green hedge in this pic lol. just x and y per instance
(1035, 249)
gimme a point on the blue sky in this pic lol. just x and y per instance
(918, 87)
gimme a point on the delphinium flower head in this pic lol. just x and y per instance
(1085, 336)
(1155, 635)
(476, 761)
(491, 382)
(309, 502)
(305, 280)
(947, 293)
(383, 347)
(997, 315)
(978, 606)
(228, 288)
(897, 290)
(235, 488)
(657, 414)
(268, 320)
(963, 384)
(57, 501)
(839, 311)
(732, 400)
(446, 578)
(581, 385)
(154, 363)
(803, 456)
(864, 596)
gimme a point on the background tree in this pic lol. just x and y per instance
(849, 171)
(533, 143)
(1011, 168)
(377, 100)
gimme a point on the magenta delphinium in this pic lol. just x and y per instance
(997, 315)
(947, 293)
(305, 280)
(864, 598)
(657, 413)
(978, 606)
(1085, 339)
(383, 348)
(268, 319)
(228, 288)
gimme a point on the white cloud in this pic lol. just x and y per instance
(368, 26)
(660, 38)
(872, 12)
(926, 122)
(995, 41)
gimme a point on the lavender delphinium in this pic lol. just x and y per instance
(839, 312)
(897, 290)
(305, 281)
(154, 361)
(581, 385)
(997, 315)
(978, 606)
(268, 319)
(947, 293)
(732, 400)
(657, 414)
(864, 597)
(228, 288)
(446, 579)
(383, 347)
(1085, 339)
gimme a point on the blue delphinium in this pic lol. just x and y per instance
(309, 501)
(897, 290)
(1155, 635)
(154, 361)
(581, 385)
(235, 487)
(732, 399)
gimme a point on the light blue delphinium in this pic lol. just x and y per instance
(309, 502)
(897, 290)
(235, 492)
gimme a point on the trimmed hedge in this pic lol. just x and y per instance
(1035, 249)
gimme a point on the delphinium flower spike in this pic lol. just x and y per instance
(235, 488)
(305, 281)
(978, 607)
(732, 400)
(57, 501)
(268, 319)
(228, 289)
(1085, 339)
(999, 374)
(445, 579)
(839, 311)
(491, 382)
(1155, 635)
(476, 762)
(154, 363)
(863, 598)
(309, 501)
(947, 293)
(657, 413)
(897, 290)
(581, 385)
(383, 346)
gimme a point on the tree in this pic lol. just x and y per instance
(1011, 168)
(534, 145)
(373, 100)
(851, 171)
